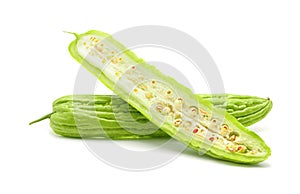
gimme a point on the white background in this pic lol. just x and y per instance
(255, 44)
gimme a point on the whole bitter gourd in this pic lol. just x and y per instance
(248, 109)
(165, 102)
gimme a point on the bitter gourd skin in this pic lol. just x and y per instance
(166, 103)
(248, 109)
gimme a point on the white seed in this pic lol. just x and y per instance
(178, 103)
(231, 149)
(177, 122)
(166, 110)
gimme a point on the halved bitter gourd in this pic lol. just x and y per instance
(165, 102)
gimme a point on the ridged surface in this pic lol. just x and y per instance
(109, 116)
(246, 109)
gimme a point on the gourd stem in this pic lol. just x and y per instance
(42, 118)
(75, 34)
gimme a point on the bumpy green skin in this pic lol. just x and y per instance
(99, 112)
(246, 109)
(93, 116)
(254, 149)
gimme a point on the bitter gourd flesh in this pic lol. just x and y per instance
(165, 102)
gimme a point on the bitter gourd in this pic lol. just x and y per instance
(165, 102)
(246, 109)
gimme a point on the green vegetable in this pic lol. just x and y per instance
(246, 109)
(102, 110)
(91, 116)
(165, 102)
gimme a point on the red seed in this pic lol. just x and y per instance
(211, 139)
(195, 130)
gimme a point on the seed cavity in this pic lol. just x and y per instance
(178, 103)
(220, 140)
(232, 138)
(231, 149)
(114, 61)
(193, 111)
(241, 148)
(118, 73)
(143, 87)
(202, 112)
(214, 121)
(196, 130)
(178, 115)
(166, 110)
(185, 116)
(141, 78)
(99, 49)
(253, 152)
(148, 95)
(177, 122)
(159, 108)
(205, 117)
(224, 129)
(187, 125)
(233, 135)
